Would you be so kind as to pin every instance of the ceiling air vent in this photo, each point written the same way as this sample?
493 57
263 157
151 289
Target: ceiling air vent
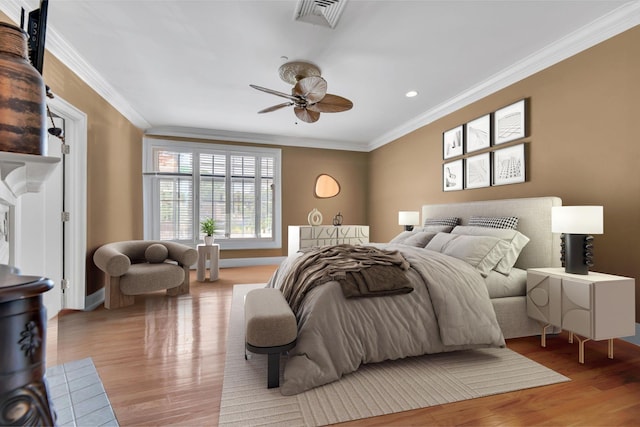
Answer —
319 12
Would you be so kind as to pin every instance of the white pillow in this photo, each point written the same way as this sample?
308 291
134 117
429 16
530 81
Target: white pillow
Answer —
516 240
481 252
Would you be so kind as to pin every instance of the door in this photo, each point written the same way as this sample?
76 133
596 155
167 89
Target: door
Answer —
41 242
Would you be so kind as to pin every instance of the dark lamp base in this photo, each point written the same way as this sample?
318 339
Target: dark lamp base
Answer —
408 228
577 253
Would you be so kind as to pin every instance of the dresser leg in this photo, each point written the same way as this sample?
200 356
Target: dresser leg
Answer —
581 342
610 352
543 335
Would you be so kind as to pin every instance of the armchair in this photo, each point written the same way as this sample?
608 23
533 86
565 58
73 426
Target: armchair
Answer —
136 267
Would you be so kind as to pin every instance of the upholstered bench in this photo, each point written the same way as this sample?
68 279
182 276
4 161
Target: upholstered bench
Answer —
270 327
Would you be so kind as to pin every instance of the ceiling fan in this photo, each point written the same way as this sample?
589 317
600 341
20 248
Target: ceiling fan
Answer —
309 95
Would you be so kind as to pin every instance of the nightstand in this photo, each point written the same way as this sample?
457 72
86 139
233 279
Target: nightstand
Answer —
595 306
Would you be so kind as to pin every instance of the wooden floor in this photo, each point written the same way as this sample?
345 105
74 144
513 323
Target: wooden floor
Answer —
162 361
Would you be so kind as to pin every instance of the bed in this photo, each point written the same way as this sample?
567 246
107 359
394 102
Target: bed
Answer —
454 303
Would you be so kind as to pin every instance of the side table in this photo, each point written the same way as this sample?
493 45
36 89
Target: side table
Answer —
594 306
211 253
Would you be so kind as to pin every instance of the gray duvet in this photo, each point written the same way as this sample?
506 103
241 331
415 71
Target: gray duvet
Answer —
449 309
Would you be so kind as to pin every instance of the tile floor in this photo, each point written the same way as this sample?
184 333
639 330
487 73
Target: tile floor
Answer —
78 395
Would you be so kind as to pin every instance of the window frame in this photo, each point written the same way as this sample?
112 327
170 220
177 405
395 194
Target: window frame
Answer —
151 216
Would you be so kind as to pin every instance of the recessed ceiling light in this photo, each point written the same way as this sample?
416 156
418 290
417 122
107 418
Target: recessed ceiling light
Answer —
411 93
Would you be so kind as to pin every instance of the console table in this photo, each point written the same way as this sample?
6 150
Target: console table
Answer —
24 396
308 236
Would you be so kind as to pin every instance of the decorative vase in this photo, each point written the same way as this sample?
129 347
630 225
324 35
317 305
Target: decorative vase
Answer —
337 220
23 115
208 240
314 217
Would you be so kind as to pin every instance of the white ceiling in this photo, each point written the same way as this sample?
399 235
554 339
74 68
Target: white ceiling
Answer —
185 66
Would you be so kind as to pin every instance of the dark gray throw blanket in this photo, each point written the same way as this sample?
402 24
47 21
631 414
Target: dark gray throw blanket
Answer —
362 271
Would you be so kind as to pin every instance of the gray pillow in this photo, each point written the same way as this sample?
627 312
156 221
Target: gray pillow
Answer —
516 240
156 253
400 238
481 252
419 239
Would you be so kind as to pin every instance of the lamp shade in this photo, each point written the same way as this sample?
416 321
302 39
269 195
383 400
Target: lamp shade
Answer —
577 219
408 218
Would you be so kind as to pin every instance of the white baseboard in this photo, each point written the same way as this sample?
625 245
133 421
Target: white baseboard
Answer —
93 301
247 262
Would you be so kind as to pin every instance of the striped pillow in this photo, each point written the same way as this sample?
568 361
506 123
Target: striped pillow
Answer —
449 221
494 222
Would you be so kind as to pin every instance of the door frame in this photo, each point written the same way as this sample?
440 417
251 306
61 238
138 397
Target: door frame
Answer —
75 193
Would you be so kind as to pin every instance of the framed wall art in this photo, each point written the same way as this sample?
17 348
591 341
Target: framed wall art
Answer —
452 176
477 171
509 123
452 143
478 133
509 165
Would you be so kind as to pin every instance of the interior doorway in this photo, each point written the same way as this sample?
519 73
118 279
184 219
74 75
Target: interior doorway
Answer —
50 226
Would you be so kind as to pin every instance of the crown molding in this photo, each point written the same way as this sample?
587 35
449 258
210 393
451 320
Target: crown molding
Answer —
621 19
255 138
62 50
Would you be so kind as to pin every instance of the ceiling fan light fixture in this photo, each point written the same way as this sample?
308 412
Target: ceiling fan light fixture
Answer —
308 96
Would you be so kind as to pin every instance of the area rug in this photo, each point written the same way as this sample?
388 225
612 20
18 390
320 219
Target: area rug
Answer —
375 389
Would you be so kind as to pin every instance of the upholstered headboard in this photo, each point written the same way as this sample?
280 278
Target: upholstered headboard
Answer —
534 221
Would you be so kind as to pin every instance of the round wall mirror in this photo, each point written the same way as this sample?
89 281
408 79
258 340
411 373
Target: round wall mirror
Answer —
326 186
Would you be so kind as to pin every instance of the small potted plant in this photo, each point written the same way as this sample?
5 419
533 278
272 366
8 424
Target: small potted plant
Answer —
207 226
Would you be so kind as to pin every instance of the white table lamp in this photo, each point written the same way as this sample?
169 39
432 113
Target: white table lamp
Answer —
408 219
576 223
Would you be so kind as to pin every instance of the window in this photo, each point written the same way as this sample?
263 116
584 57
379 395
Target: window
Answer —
239 187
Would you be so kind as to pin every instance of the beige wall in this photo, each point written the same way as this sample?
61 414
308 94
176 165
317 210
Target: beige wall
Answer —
300 167
114 157
583 147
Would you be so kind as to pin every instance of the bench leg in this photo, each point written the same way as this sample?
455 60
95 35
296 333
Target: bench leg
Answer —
273 370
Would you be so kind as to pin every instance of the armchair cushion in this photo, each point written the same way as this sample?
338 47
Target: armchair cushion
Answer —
156 253
143 278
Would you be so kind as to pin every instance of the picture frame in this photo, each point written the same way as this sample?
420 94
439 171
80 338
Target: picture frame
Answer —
509 123
509 165
452 142
452 176
477 134
477 171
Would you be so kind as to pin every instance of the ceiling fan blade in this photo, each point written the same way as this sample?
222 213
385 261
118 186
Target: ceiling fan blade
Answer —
275 92
306 115
312 88
275 107
331 104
